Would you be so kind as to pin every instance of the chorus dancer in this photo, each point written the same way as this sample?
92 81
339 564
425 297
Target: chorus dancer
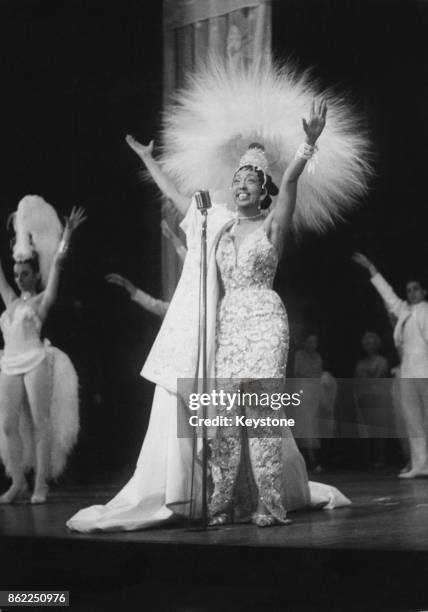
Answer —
411 340
399 424
308 363
247 329
39 418
143 299
372 397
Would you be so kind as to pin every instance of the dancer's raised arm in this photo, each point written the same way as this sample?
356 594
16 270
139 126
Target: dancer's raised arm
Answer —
146 301
365 262
392 301
48 297
6 292
169 190
279 220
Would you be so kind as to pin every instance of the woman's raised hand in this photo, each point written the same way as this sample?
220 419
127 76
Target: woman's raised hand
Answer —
76 218
316 122
365 262
165 184
117 279
143 151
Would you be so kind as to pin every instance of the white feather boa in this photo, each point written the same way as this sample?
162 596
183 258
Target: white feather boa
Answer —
224 109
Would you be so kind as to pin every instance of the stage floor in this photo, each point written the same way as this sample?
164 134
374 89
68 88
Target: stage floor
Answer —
371 555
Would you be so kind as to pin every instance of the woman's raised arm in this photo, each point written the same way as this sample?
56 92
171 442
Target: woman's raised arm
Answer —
169 190
394 304
365 262
6 292
279 220
77 216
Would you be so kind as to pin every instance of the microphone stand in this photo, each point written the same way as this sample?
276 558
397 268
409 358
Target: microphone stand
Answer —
203 320
203 203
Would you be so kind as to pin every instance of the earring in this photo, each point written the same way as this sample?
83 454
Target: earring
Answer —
262 197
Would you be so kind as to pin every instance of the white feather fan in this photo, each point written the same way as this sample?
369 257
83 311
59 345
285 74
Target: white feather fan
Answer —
64 418
224 109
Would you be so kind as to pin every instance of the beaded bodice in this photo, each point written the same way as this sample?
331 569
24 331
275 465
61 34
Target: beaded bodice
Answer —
252 266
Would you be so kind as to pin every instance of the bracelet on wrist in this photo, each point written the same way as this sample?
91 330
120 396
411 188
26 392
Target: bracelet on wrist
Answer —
305 151
63 247
309 153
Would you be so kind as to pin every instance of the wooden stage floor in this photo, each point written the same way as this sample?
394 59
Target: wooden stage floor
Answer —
372 555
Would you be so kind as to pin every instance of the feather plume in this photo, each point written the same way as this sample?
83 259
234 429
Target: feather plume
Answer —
64 418
225 108
38 231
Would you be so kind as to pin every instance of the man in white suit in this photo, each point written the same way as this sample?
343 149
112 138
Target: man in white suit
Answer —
411 340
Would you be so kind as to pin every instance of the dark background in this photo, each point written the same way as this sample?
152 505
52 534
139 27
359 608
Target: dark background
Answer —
77 76
376 51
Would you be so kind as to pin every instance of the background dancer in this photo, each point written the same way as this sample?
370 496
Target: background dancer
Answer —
372 397
411 340
38 385
308 364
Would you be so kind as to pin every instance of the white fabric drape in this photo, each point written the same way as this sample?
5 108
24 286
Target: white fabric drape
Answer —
194 29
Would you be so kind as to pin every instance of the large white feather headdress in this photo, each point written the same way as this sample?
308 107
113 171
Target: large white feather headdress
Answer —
38 232
224 108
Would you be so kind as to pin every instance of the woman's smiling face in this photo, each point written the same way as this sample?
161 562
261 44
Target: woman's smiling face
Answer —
246 188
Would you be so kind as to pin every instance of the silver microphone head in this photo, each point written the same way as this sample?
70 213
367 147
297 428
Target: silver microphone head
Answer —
203 200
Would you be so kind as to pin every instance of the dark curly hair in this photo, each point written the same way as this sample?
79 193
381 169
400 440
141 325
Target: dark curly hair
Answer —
417 278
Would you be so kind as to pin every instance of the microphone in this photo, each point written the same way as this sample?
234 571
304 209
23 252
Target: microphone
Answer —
203 201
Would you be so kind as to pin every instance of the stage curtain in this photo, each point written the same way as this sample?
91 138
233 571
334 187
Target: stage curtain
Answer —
237 29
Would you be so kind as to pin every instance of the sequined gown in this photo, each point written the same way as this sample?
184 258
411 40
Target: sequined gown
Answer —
252 343
159 489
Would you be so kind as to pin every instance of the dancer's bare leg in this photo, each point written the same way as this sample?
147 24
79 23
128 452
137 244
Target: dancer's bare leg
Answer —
414 397
406 453
11 400
38 387
399 423
418 448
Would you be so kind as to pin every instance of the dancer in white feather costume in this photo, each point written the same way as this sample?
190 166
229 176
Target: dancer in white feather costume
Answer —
39 417
216 118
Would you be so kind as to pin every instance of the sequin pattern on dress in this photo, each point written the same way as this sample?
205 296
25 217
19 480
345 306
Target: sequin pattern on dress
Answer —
252 343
